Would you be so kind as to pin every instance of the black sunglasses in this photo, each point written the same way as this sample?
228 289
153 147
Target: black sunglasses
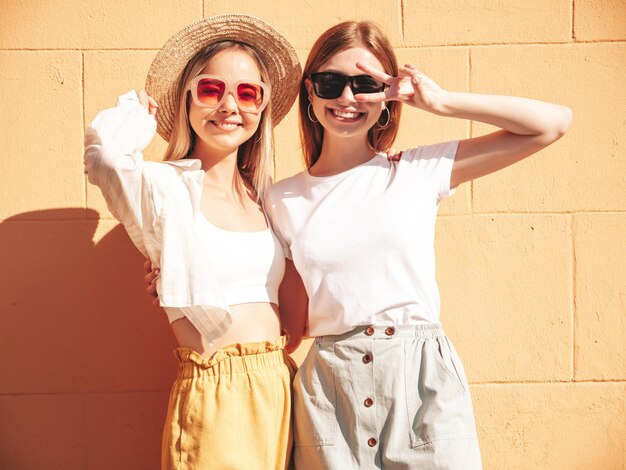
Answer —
330 85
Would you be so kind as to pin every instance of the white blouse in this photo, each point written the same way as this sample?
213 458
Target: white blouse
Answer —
159 205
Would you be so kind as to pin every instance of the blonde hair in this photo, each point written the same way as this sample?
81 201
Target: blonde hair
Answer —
255 156
344 36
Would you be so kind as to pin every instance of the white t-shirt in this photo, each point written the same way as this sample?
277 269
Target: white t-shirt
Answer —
363 240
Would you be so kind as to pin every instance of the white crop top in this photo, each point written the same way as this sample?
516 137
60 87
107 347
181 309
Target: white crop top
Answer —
249 265
159 205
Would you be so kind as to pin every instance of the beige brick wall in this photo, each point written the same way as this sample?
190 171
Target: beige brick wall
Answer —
530 260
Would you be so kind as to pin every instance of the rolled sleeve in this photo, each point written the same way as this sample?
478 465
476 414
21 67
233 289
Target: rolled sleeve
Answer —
114 162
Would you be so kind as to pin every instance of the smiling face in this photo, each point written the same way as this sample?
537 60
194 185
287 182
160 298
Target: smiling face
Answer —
349 40
223 129
343 116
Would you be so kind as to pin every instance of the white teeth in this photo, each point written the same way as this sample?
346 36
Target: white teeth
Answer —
345 115
226 125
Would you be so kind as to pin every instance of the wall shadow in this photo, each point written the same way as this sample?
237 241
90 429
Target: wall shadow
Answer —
85 359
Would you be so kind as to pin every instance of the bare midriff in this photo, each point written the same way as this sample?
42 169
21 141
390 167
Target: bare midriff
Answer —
252 323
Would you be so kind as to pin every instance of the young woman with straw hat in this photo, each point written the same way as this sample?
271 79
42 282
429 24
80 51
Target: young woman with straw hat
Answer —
214 92
382 386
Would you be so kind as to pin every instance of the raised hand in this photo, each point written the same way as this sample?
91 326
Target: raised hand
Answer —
148 102
410 86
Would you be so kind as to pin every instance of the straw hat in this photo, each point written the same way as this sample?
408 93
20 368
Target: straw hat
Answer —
277 54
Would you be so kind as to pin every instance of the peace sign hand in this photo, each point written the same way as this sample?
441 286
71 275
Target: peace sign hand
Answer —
410 86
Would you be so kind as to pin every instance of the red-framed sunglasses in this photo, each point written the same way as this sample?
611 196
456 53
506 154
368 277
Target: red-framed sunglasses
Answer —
210 91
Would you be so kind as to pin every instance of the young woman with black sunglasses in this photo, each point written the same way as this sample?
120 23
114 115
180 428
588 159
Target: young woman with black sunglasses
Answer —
382 386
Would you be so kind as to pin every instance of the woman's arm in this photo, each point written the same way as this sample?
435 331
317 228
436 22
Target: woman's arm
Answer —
113 158
527 125
293 306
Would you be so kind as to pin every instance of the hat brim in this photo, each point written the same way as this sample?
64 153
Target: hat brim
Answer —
276 52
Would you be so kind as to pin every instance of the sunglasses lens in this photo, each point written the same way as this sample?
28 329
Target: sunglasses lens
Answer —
250 96
210 91
328 86
366 84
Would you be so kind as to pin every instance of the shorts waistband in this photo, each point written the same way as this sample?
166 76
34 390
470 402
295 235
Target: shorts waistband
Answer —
387 332
232 359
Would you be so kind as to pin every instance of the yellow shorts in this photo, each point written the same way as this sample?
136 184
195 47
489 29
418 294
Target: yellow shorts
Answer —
232 411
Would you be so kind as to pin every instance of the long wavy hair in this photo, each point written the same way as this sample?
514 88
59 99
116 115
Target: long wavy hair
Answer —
344 36
255 156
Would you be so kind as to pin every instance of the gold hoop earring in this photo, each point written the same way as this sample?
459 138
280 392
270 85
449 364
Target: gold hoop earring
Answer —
308 112
384 126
